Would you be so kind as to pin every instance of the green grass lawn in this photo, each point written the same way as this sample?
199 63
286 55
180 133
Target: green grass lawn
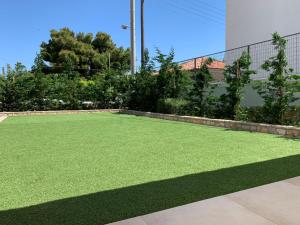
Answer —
92 169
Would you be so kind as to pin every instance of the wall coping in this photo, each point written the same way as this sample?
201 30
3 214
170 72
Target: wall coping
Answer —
57 112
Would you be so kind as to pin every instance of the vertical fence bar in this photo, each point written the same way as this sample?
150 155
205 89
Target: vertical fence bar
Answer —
248 52
297 46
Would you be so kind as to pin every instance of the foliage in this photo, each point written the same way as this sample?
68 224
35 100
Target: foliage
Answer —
115 87
236 77
16 88
173 106
87 54
144 92
38 91
2 85
149 87
172 82
277 92
202 102
66 76
290 117
21 90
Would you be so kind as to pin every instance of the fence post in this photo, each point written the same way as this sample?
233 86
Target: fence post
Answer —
249 56
238 75
297 57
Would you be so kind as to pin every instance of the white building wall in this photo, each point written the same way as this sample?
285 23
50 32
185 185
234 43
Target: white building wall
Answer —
251 21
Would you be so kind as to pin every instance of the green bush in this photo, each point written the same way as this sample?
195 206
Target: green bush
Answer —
277 92
168 90
22 90
256 114
173 106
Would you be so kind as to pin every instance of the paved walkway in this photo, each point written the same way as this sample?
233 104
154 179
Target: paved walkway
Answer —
2 118
273 204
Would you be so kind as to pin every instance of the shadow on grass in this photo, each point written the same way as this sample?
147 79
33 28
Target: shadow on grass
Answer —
290 138
113 205
256 132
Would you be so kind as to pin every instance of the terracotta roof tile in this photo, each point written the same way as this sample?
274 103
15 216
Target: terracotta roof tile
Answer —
190 65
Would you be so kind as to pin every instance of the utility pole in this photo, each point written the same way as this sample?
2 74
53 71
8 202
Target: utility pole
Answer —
142 34
133 37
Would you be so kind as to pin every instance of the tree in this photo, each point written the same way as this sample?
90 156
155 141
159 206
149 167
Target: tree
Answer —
87 55
201 98
277 92
236 76
103 43
172 82
15 89
38 93
144 92
2 85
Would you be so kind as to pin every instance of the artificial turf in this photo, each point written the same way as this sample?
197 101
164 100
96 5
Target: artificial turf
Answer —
90 169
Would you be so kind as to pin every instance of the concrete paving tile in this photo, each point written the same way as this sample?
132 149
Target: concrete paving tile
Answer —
278 202
295 181
216 211
133 221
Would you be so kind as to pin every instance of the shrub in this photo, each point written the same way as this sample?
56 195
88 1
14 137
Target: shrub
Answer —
236 77
256 114
172 82
143 89
201 97
277 92
172 106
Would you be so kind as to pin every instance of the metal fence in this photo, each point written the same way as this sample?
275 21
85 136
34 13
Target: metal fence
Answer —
259 53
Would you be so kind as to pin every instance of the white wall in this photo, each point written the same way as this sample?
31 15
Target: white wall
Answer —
250 21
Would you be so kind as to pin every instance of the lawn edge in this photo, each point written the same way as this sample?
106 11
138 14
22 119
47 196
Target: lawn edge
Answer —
58 112
287 131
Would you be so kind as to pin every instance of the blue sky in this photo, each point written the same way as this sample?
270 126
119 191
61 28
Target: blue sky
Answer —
192 27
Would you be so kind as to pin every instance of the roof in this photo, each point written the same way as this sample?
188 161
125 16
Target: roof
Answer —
190 65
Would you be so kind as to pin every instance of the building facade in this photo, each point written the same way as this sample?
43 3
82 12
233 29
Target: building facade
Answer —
253 21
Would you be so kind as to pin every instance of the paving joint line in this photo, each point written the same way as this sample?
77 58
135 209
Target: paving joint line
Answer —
253 211
295 185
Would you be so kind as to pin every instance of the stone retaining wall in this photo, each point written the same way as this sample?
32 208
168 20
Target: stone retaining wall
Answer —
288 131
32 113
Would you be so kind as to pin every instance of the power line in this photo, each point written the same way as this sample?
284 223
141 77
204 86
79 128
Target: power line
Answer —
210 6
178 10
200 11
192 11
203 8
